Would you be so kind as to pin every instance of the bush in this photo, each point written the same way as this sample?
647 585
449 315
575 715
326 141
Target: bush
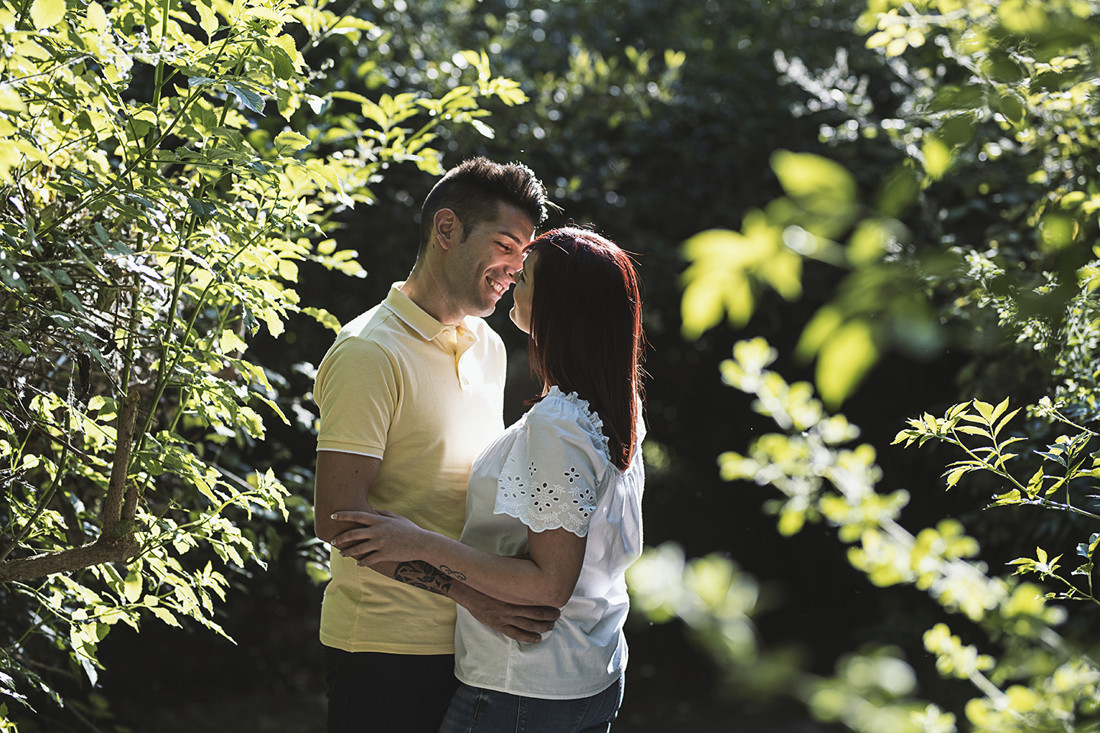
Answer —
165 170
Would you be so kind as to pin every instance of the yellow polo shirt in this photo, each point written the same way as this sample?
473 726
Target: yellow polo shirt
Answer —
425 398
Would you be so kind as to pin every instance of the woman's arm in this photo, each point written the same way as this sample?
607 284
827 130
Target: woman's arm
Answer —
546 578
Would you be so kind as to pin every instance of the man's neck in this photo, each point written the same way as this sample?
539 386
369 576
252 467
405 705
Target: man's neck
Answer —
421 288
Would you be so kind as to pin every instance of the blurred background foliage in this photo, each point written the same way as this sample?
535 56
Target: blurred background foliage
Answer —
898 200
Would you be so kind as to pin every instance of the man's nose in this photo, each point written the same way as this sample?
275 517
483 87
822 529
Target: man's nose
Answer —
515 264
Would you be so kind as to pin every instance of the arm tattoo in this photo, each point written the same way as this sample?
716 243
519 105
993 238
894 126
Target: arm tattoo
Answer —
420 574
456 574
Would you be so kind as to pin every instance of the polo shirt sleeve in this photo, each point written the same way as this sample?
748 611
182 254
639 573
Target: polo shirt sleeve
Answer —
550 474
357 391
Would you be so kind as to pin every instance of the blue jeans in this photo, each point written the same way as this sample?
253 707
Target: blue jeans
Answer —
475 710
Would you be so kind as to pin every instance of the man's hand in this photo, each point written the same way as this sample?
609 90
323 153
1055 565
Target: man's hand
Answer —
522 623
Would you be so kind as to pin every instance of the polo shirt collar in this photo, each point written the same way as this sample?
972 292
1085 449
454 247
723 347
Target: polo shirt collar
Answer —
416 317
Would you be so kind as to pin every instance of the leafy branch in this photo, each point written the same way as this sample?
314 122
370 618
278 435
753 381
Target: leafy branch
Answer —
821 477
153 228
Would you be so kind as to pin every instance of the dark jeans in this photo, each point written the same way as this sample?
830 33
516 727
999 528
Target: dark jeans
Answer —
387 693
475 710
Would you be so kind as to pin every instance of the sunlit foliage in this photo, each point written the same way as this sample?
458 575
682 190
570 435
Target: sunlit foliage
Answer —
980 236
1039 682
164 170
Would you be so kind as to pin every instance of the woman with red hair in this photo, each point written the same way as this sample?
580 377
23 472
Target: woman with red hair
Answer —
554 505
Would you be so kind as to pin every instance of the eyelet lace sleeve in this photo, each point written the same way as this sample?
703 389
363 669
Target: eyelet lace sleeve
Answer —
552 471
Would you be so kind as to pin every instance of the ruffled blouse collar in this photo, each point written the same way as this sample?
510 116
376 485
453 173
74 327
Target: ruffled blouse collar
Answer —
582 404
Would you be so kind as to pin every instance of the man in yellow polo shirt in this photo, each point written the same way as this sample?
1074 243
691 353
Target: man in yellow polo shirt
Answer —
409 394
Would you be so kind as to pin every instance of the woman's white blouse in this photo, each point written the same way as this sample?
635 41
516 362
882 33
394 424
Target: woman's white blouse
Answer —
552 469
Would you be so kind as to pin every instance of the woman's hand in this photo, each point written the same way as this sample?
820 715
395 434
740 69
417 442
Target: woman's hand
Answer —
383 537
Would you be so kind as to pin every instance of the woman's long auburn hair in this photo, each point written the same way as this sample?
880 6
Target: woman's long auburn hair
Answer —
586 329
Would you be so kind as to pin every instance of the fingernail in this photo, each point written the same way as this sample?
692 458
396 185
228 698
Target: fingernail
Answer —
333 516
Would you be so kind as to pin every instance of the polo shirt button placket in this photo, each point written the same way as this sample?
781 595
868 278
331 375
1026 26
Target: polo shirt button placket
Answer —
463 381
463 341
451 336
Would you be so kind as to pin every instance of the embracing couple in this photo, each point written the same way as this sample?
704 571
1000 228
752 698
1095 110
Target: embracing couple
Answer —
429 502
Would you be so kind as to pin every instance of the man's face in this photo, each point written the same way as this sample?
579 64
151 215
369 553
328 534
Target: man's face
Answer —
486 257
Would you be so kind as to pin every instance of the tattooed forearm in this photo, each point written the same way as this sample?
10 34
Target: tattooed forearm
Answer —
420 574
456 574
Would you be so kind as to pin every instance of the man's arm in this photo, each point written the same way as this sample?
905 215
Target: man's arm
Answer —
343 482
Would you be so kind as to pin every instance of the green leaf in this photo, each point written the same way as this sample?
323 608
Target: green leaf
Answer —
1009 498
372 111
1023 17
954 476
289 141
351 96
791 521
61 277
844 359
868 242
259 12
202 209
937 157
1013 108
133 584
700 307
958 129
280 62
1035 483
246 97
208 19
805 175
1004 421
1056 232
288 270
783 272
822 326
825 189
165 615
323 317
97 18
904 436
956 99
230 342
45 14
985 410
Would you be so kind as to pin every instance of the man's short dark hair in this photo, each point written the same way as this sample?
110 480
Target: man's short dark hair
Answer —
475 188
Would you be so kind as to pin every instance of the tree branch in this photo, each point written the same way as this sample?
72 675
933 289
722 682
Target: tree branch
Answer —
116 542
120 549
116 487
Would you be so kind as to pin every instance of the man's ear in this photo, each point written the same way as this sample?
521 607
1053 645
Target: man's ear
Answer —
447 227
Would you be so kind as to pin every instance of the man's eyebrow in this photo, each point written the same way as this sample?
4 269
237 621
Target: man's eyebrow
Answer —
510 235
